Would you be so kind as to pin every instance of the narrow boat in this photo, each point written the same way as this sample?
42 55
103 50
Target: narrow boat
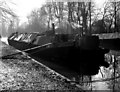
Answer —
22 41
112 44
110 41
81 54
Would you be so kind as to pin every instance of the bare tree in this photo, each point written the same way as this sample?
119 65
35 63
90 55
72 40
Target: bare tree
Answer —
37 20
110 16
78 13
6 15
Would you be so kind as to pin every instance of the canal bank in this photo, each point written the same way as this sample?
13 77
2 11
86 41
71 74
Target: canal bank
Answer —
22 73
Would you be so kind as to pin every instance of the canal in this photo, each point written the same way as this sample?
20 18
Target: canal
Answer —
15 72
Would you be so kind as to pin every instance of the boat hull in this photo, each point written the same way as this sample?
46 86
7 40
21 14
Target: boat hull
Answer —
20 45
112 44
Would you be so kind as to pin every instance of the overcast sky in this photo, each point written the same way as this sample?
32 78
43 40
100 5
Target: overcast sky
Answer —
24 7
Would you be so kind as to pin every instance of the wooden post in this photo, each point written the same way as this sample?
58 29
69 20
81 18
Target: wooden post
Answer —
53 28
114 67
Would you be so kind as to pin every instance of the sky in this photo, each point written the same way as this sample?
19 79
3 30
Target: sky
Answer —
23 7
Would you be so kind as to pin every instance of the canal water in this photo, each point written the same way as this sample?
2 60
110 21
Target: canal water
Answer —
100 85
107 78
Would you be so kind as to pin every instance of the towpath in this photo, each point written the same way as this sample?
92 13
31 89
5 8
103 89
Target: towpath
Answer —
25 74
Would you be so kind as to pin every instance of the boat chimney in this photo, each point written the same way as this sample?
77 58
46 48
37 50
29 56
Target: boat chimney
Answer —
53 28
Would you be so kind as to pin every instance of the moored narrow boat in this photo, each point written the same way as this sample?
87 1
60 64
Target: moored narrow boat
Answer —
22 41
82 54
109 40
112 44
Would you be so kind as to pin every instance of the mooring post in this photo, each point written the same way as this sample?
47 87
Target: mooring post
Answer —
91 83
53 28
114 67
